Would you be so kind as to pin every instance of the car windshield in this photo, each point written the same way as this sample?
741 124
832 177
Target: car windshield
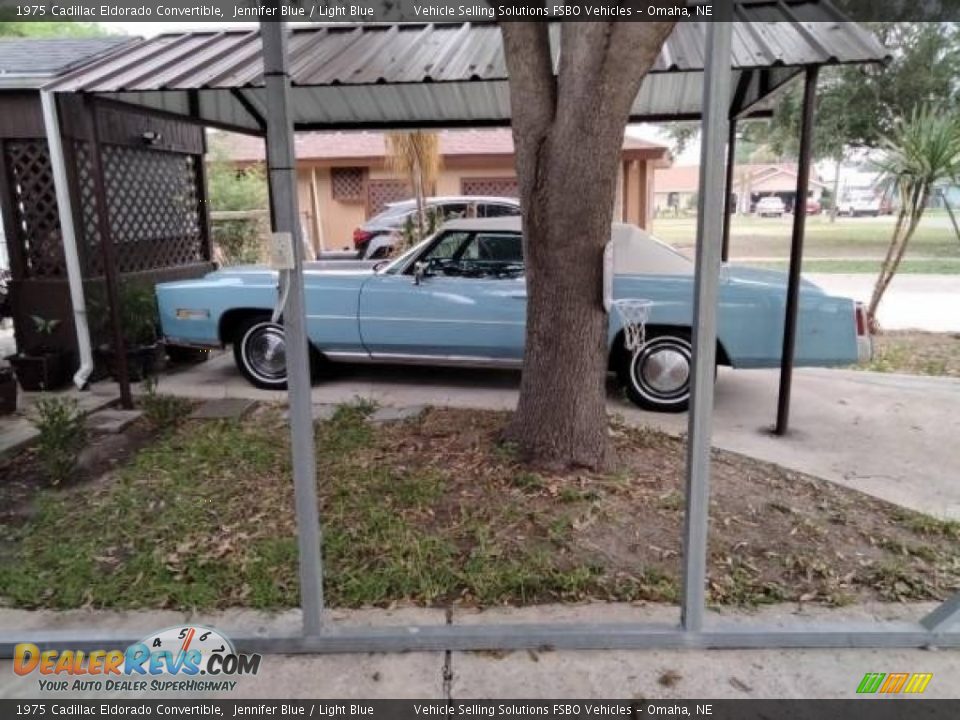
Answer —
391 213
401 261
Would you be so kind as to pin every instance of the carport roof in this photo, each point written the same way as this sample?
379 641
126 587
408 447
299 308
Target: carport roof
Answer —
451 74
32 62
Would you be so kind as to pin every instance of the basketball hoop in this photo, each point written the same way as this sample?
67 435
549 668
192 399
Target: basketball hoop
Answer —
633 314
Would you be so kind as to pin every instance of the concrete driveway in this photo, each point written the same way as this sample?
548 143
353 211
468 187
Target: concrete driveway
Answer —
892 436
912 302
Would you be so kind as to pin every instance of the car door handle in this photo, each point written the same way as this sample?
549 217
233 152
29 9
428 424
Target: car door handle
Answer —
518 296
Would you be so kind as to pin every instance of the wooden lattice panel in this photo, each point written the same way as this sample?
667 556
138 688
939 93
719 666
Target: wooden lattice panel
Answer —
381 192
37 221
154 208
89 232
348 183
493 187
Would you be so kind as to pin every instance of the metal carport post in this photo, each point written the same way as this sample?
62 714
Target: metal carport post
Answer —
716 93
281 169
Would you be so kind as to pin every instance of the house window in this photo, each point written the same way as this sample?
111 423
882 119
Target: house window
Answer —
348 183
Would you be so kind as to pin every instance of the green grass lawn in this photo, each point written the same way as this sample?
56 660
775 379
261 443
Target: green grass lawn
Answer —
916 353
865 238
435 510
937 266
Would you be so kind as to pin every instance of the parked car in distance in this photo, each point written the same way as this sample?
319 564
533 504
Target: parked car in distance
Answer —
770 206
377 237
813 207
860 202
459 298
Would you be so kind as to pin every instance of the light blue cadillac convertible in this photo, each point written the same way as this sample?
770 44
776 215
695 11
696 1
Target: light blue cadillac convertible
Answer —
459 298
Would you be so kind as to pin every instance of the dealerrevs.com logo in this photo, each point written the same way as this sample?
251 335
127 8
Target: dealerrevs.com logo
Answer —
181 659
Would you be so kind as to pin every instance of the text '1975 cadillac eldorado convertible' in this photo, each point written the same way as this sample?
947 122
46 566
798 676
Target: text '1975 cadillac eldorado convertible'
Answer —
459 298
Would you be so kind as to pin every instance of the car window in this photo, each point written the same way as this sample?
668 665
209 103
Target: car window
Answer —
498 247
452 211
448 247
491 210
476 255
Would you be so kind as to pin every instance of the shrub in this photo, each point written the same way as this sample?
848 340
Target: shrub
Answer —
162 411
62 436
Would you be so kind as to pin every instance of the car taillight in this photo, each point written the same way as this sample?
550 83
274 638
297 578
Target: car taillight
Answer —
361 237
861 316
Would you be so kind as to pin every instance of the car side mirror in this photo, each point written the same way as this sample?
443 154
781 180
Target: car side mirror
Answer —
419 271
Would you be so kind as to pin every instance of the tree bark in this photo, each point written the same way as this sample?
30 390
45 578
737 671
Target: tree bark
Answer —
568 132
836 190
953 219
895 252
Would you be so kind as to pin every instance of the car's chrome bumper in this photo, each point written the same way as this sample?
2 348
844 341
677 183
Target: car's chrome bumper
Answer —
864 348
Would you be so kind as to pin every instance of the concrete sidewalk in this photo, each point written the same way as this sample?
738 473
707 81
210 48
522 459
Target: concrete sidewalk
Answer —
613 674
892 436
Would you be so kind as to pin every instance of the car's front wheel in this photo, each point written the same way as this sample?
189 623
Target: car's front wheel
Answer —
657 376
260 351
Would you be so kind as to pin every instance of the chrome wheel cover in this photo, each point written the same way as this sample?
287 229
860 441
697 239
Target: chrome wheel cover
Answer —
264 351
660 370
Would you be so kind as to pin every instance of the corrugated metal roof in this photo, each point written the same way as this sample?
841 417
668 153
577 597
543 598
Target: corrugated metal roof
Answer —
392 75
39 59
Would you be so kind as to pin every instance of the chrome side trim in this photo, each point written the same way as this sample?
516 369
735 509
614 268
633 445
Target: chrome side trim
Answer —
346 356
457 321
473 361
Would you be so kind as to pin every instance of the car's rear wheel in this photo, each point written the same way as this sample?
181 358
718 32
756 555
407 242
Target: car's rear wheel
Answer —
260 351
657 376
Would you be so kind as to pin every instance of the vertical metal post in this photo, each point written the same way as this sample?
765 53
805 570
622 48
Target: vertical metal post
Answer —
728 190
108 251
796 250
716 103
281 168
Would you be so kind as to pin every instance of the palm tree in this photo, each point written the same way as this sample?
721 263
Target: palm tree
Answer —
921 151
416 156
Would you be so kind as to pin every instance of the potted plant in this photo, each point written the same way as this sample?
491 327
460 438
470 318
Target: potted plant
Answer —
8 391
138 323
44 366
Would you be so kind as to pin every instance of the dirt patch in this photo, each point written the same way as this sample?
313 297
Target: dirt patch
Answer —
22 477
916 353
436 510
774 535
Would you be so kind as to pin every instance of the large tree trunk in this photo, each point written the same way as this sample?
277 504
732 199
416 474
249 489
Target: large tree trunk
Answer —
568 132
